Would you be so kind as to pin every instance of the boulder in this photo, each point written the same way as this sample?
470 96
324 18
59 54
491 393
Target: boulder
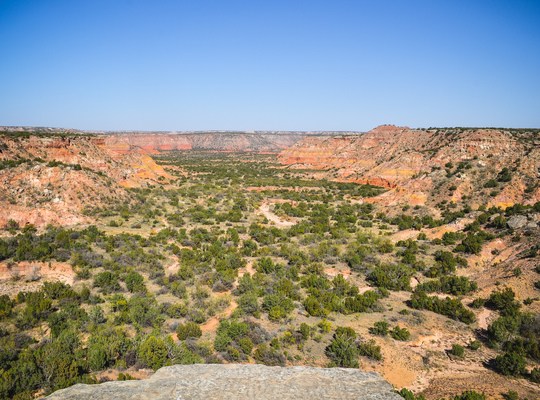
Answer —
517 221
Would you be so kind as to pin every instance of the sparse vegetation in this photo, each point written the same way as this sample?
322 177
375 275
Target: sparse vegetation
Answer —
248 262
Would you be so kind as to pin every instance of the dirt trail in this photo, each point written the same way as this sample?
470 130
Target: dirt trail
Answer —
264 209
484 318
212 324
247 270
333 272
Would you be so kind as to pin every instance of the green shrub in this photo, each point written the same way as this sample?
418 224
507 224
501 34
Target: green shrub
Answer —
470 395
474 345
314 307
452 308
305 330
456 285
511 364
135 282
152 352
503 301
370 349
492 183
504 175
345 331
401 334
391 276
267 355
249 303
408 395
343 351
457 350
379 328
534 376
107 281
6 305
188 330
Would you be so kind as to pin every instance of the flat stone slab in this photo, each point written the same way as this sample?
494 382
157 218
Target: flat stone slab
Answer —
239 382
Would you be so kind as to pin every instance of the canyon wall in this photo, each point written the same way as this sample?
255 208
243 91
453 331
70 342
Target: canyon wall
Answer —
427 166
52 179
152 143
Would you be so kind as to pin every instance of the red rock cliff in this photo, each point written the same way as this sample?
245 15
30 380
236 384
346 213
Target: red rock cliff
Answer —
51 179
420 165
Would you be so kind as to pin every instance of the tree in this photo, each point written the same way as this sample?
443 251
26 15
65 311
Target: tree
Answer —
135 282
96 356
343 350
153 352
512 364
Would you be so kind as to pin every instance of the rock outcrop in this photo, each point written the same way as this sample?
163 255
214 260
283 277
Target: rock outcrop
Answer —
52 178
233 381
425 166
152 143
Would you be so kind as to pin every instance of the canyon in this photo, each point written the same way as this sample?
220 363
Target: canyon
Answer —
418 167
125 253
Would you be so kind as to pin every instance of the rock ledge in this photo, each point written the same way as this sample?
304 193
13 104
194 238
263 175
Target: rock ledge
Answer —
235 381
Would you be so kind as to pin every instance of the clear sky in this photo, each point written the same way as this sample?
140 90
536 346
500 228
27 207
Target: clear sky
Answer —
269 65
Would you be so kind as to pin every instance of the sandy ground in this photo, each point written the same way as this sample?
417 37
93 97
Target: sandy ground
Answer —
30 275
432 233
112 374
265 210
247 270
212 324
335 271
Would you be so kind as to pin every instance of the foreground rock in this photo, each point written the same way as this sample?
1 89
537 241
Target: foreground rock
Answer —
231 381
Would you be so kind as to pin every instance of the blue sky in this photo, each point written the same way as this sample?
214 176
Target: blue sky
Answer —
276 65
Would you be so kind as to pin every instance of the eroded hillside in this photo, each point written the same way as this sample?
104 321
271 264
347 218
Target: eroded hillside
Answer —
53 178
425 167
153 143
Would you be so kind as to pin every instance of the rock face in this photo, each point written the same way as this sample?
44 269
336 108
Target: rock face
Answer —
517 221
232 381
151 143
423 166
52 178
